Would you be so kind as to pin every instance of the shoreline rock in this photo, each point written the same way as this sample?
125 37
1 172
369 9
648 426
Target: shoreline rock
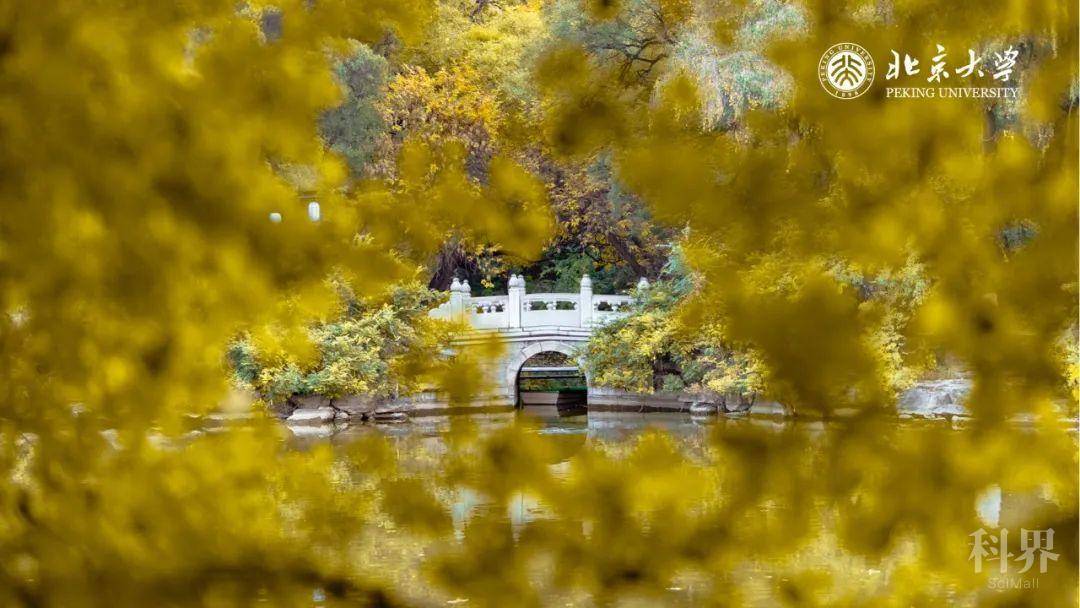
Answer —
935 399
929 399
312 416
704 408
389 417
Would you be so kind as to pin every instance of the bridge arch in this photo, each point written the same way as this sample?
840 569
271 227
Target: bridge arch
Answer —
518 359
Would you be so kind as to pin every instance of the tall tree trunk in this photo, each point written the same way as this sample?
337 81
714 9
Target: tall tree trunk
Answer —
623 250
451 261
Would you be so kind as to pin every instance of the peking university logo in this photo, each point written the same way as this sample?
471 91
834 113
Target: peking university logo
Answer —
846 70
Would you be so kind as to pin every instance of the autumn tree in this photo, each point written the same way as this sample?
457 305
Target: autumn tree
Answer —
637 36
602 229
355 128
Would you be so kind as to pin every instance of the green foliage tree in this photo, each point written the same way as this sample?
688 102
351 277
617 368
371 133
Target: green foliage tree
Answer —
354 128
635 36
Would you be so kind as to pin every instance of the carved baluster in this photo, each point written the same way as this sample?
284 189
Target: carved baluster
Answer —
515 296
586 305
457 299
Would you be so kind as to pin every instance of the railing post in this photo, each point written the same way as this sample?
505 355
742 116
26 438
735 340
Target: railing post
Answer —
466 300
585 301
457 300
515 292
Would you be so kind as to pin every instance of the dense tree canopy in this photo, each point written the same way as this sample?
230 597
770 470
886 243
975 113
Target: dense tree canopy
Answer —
354 129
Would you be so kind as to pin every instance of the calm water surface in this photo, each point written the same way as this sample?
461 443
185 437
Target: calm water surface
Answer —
421 441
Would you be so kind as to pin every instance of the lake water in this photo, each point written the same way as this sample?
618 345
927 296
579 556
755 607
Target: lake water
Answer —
422 445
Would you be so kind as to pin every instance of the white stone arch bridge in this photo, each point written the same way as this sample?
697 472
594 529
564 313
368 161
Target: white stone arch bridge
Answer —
527 324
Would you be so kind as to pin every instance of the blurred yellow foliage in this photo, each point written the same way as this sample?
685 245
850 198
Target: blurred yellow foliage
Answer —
142 156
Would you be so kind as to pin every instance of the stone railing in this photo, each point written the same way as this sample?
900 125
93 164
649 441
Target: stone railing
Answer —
517 309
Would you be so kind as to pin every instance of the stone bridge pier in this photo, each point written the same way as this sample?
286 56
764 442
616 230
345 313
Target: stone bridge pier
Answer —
501 372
